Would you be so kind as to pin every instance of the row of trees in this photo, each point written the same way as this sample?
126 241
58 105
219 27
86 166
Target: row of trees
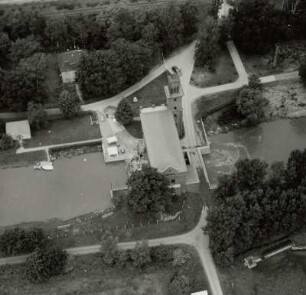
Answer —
167 28
256 204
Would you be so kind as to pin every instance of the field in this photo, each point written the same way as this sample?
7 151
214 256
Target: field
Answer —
284 274
89 275
9 159
225 72
64 131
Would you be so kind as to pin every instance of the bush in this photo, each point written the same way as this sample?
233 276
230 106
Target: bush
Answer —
109 248
124 113
162 253
179 284
69 104
6 142
302 71
140 255
18 241
180 257
46 263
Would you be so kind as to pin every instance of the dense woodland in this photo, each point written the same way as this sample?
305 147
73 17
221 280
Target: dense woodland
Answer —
122 45
257 204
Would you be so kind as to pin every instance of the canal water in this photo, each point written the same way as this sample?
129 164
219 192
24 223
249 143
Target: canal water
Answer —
270 141
76 186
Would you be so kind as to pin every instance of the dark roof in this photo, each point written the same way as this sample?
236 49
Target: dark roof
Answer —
69 60
162 141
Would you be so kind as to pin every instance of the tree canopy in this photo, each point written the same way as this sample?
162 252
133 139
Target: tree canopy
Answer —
37 115
124 113
256 204
258 25
69 104
149 191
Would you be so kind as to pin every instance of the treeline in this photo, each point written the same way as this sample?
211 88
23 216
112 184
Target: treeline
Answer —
127 43
256 25
257 204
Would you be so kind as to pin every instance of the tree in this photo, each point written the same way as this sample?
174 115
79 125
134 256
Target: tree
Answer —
254 82
149 191
109 248
99 73
302 71
258 25
140 255
23 48
56 33
19 88
207 47
37 115
69 104
124 113
34 66
5 45
250 174
250 104
189 13
6 142
46 263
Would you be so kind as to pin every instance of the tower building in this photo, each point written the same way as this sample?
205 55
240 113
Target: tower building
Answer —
174 94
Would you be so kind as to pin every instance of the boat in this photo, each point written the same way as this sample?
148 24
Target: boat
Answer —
44 165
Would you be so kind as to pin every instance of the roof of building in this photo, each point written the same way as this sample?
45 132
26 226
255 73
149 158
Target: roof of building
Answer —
69 60
162 141
18 128
200 293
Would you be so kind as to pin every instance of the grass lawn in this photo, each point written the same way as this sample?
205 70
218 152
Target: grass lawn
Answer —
284 274
225 72
53 83
9 159
134 129
152 93
65 131
89 275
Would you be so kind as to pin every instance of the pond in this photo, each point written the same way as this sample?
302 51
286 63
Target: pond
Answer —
76 186
270 141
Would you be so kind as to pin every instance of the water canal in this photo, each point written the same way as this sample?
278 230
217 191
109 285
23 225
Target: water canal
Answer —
270 141
76 186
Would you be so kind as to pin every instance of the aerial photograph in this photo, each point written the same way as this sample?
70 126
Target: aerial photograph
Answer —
153 147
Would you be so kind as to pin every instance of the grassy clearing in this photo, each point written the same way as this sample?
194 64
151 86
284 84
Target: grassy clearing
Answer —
53 83
127 226
284 274
65 131
225 72
134 129
9 159
152 93
89 275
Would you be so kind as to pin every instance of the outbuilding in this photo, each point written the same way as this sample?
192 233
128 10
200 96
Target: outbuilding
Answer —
18 129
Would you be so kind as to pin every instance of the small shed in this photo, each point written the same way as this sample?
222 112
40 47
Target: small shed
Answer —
18 129
112 151
112 140
68 63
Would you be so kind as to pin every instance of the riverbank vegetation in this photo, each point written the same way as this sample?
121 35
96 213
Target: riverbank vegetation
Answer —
168 270
256 205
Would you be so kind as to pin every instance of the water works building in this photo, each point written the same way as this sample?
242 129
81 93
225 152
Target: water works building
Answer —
163 148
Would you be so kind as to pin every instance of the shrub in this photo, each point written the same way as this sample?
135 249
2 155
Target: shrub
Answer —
37 116
18 241
302 71
6 142
180 257
46 263
161 253
140 255
109 248
179 284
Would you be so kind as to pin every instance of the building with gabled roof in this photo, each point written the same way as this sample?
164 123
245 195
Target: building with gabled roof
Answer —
163 146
